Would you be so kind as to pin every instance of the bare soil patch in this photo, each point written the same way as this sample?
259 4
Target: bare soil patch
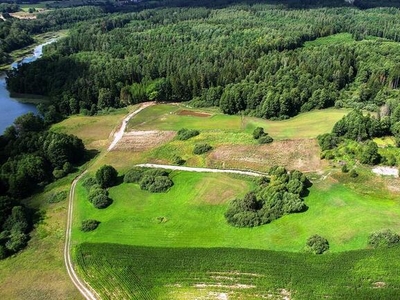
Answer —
386 171
185 112
301 155
138 141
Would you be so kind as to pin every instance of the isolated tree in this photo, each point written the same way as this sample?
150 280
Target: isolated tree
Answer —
106 176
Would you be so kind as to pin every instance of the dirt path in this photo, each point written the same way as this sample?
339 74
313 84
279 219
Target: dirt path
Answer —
120 133
80 285
83 287
202 170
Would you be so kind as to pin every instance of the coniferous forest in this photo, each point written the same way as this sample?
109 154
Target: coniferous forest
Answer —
251 58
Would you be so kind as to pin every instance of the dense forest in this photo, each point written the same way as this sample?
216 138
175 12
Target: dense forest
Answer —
252 59
30 157
16 34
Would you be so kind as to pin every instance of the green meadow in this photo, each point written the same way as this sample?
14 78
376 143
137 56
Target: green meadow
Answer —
191 214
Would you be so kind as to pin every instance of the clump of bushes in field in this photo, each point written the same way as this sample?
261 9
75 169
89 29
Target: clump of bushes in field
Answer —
178 160
89 225
276 196
317 244
99 197
261 136
57 197
385 238
201 148
106 177
185 134
152 180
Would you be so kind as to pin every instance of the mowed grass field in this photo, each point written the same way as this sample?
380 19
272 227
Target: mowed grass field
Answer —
131 272
193 215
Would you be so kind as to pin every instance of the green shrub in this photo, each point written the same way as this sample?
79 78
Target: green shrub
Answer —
88 183
265 139
258 132
353 173
89 225
345 169
106 176
95 191
185 134
384 238
160 184
101 201
133 175
58 197
317 244
177 160
201 148
155 184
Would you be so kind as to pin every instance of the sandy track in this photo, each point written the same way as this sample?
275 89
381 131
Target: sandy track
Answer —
201 170
120 133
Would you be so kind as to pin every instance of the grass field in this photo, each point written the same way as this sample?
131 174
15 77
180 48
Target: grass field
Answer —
330 40
338 210
168 117
95 131
122 272
38 271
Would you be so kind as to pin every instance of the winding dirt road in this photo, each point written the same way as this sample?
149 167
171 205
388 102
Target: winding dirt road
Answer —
83 287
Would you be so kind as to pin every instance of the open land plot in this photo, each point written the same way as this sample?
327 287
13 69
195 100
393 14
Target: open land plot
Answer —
175 117
95 131
339 209
226 273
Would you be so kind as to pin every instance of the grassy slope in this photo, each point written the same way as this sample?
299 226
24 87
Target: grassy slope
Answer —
193 273
38 272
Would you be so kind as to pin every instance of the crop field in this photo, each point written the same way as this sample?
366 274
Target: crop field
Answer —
120 271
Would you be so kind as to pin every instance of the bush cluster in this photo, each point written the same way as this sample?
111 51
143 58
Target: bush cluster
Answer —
152 180
317 244
279 195
89 225
185 134
261 136
384 238
97 195
201 148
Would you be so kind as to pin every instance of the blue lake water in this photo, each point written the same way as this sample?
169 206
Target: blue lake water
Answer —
10 108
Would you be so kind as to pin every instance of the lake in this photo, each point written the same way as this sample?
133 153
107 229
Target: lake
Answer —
10 108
